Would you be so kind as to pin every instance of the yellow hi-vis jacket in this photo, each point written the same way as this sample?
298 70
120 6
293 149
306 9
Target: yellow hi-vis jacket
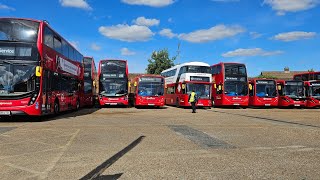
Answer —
192 97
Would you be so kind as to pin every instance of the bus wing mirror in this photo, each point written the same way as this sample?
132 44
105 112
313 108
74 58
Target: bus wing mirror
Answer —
38 71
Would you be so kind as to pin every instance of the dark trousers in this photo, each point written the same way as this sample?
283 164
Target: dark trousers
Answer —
193 105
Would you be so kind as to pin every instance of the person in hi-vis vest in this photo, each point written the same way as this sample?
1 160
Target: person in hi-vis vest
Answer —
193 100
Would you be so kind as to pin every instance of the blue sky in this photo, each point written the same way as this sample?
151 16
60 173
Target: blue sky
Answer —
264 34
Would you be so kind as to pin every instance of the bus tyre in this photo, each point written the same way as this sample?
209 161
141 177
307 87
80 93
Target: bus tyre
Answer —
56 107
177 102
78 105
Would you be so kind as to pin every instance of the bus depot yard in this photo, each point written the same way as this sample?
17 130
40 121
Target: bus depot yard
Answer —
163 143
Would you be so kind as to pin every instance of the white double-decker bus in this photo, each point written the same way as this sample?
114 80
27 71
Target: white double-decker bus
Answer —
181 79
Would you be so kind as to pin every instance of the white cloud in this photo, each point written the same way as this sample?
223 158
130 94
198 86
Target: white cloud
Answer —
167 33
212 34
283 6
294 36
5 7
152 3
142 21
250 52
124 32
255 35
95 47
127 52
170 20
82 4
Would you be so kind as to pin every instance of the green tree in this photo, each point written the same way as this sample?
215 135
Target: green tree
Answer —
159 61
311 70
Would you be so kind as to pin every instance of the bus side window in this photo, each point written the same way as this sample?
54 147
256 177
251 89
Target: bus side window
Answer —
48 37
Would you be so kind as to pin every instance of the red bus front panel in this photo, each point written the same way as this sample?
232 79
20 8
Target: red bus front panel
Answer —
19 107
113 101
224 100
149 101
263 101
286 101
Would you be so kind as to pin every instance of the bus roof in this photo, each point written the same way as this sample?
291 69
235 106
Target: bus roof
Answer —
227 63
103 60
193 63
27 19
262 79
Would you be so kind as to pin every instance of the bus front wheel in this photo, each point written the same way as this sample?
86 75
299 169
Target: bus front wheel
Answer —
56 107
78 105
177 102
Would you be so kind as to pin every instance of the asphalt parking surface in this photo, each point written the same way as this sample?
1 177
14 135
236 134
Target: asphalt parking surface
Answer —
168 143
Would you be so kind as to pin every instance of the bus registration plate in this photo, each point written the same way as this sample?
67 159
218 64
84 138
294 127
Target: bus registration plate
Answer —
297 105
236 104
112 104
267 104
4 112
150 104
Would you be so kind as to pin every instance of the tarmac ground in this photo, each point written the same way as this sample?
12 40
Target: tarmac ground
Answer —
165 143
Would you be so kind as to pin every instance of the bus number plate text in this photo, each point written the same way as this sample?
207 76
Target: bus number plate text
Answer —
4 112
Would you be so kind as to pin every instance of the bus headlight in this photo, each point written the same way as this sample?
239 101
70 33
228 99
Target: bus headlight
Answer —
33 99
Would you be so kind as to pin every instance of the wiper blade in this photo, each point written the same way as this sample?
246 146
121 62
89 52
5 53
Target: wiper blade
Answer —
7 62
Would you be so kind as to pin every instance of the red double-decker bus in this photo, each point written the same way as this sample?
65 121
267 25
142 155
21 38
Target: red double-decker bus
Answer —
184 78
230 84
313 93
147 90
291 93
90 86
308 76
263 93
40 72
113 82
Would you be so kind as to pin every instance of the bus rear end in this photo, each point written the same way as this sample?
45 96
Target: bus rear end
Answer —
149 91
20 73
313 94
89 81
263 93
113 82
291 93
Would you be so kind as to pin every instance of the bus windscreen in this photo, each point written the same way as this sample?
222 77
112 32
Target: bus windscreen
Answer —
18 30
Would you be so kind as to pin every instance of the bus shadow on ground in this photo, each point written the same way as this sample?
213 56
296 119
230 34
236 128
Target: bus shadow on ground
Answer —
68 114
62 115
150 107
